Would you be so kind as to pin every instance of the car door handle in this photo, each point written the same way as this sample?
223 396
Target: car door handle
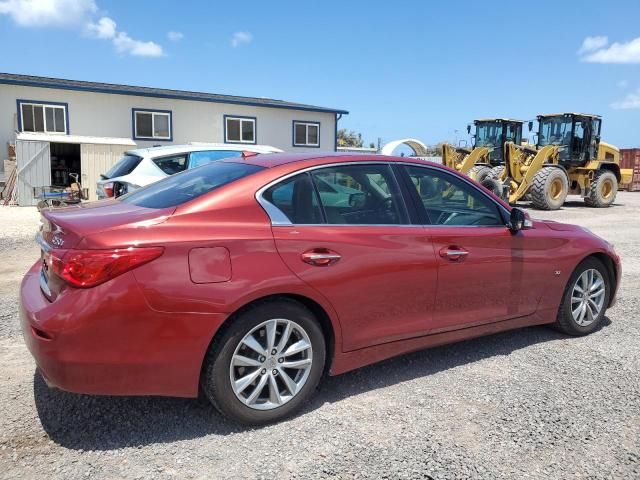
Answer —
320 257
453 253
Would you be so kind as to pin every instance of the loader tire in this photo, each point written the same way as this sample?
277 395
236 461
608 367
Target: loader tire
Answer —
479 173
604 188
549 189
493 185
496 172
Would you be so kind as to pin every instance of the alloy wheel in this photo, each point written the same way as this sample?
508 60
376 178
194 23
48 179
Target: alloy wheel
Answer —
271 364
587 297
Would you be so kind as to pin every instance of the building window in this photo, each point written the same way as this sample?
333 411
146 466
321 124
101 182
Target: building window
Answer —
306 134
43 117
152 125
239 129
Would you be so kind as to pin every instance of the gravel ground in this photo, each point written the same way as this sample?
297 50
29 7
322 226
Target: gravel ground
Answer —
524 404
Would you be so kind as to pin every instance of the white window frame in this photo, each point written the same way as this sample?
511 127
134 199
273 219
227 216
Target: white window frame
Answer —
153 114
44 116
307 124
241 120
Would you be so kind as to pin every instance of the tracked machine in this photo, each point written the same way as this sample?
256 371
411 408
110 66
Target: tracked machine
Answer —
487 153
568 158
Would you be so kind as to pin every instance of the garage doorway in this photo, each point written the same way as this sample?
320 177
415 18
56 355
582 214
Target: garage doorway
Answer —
65 161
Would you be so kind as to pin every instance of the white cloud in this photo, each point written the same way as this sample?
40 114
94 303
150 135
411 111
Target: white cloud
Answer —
175 36
42 13
628 52
631 101
79 14
241 38
106 29
590 44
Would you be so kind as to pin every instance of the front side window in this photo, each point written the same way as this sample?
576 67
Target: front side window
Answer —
42 117
306 134
359 195
240 129
172 164
296 198
197 159
151 125
449 201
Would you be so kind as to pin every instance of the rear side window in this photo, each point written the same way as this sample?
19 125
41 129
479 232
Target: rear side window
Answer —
197 159
173 164
297 199
190 184
124 166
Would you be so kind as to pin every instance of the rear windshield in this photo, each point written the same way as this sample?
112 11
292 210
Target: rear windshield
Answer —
188 185
124 166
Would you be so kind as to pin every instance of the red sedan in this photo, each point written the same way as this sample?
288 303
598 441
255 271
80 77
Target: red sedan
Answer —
251 279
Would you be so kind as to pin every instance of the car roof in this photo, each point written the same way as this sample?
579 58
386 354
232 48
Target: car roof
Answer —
277 159
153 152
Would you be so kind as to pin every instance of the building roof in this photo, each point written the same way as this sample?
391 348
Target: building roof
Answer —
59 138
80 85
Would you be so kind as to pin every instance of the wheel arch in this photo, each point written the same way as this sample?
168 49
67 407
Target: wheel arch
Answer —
612 167
330 330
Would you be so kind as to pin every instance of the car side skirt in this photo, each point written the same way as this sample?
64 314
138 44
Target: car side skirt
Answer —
346 361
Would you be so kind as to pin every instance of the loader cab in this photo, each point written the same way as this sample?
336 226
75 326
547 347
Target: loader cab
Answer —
577 135
494 133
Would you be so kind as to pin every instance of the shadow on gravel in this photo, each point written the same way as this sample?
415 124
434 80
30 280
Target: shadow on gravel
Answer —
105 423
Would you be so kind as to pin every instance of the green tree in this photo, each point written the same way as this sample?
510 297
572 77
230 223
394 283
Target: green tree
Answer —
349 138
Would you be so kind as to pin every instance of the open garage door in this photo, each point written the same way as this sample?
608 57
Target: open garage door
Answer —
33 168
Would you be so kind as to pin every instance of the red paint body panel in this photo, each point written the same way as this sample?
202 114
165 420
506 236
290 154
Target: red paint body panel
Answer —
146 331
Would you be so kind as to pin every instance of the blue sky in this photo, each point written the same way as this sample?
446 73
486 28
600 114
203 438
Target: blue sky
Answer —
403 69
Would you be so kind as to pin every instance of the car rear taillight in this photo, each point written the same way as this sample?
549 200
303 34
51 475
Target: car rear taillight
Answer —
88 268
108 189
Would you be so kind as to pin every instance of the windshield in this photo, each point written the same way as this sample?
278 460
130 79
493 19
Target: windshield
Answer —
189 184
124 166
554 131
489 134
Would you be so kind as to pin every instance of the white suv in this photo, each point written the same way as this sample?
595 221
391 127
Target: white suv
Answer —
144 166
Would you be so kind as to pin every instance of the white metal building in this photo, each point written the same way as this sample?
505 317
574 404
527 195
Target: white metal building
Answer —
62 125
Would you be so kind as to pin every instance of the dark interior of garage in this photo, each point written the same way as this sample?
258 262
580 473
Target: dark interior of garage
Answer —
65 160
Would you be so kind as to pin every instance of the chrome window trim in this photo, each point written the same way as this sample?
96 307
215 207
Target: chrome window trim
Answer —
279 219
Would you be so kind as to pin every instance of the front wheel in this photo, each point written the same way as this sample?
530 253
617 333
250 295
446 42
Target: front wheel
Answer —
267 364
585 298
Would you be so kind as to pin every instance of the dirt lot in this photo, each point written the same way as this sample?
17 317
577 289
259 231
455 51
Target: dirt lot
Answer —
524 404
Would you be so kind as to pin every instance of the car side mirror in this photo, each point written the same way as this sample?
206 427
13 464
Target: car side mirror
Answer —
519 220
357 200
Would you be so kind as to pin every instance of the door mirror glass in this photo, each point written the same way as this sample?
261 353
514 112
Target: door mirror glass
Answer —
518 220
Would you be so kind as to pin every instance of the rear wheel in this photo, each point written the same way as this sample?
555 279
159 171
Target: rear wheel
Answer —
549 189
604 189
479 173
585 298
267 364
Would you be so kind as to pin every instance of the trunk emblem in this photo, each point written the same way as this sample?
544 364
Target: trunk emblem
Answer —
57 241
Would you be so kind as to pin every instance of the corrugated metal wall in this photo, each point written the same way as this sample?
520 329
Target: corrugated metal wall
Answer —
97 159
33 163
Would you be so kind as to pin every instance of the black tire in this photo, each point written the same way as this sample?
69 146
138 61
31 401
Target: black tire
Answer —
479 173
549 189
603 191
216 381
496 172
565 321
493 185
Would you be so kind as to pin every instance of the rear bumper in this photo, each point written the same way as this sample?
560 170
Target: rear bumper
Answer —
106 340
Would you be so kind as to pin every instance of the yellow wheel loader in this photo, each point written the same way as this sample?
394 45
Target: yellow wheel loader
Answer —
487 154
568 158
